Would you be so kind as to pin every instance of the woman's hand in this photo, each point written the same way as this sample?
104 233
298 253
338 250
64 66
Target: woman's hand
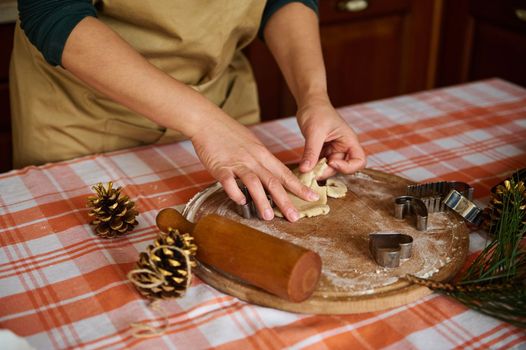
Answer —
328 135
292 36
229 150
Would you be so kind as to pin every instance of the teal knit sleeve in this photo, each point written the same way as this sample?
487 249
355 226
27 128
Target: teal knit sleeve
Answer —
273 5
48 23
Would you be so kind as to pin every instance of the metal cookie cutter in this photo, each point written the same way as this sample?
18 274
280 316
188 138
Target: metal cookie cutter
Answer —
388 249
464 207
249 210
433 193
410 204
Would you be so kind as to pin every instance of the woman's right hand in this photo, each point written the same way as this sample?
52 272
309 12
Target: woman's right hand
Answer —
229 150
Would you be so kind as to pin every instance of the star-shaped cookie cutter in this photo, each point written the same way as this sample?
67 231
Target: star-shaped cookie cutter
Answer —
433 193
388 249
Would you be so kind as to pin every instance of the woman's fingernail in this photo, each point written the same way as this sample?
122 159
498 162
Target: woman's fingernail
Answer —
313 196
293 215
268 214
306 164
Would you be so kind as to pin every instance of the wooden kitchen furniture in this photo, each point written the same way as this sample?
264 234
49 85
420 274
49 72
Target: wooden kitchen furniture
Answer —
6 45
483 39
373 49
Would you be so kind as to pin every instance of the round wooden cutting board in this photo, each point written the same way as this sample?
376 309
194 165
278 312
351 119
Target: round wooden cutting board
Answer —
351 281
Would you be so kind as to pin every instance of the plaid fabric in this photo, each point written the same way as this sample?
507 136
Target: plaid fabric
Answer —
62 287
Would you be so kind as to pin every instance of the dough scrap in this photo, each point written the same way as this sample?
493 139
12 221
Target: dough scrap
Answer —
334 188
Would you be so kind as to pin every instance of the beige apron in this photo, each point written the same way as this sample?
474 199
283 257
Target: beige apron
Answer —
198 42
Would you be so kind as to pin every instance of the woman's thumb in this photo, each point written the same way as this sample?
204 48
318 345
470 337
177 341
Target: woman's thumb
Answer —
311 152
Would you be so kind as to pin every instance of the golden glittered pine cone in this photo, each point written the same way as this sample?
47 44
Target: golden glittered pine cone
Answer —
114 213
164 269
500 195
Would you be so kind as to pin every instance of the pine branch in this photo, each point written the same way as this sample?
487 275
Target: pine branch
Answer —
495 282
501 257
505 301
508 305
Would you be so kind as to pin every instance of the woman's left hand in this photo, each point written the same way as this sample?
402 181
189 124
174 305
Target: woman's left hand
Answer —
328 135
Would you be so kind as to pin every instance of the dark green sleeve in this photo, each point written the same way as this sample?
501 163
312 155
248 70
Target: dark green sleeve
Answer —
48 23
273 5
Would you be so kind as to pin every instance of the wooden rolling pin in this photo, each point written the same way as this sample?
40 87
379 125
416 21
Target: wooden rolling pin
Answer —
277 266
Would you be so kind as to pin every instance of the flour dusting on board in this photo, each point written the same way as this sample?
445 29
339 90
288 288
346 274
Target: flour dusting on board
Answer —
341 237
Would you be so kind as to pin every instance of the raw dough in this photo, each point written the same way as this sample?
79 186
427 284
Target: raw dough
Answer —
334 188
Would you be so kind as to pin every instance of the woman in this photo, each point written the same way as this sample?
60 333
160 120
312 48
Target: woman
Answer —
93 78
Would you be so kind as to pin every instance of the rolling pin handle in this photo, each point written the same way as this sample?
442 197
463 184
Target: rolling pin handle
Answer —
171 218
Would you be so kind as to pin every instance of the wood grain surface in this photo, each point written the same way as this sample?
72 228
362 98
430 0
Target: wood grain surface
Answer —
351 281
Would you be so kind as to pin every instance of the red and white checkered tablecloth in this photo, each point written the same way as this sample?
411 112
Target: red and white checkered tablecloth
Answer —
62 287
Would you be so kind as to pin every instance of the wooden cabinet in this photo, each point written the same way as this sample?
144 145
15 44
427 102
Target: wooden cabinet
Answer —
381 49
6 45
483 39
